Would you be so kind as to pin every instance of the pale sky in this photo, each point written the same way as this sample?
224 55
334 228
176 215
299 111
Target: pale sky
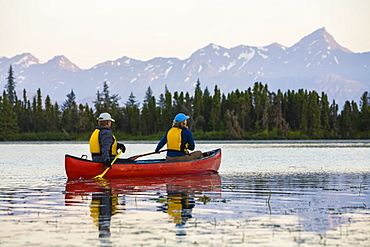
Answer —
89 32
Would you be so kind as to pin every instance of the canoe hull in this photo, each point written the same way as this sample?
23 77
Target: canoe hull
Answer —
82 168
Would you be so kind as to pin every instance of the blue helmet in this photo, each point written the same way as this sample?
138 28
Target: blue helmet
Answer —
180 117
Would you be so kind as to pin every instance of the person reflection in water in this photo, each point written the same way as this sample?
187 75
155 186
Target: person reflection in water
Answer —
103 207
179 206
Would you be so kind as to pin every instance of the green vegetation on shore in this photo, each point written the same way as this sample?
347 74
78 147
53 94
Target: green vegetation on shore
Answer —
253 114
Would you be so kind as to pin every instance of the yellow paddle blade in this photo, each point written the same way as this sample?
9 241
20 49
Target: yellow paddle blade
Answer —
101 175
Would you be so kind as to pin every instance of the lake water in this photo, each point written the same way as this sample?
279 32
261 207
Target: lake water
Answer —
303 193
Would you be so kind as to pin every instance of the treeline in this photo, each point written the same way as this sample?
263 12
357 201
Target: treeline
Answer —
255 113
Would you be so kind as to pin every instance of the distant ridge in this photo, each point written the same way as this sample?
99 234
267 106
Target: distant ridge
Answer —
317 62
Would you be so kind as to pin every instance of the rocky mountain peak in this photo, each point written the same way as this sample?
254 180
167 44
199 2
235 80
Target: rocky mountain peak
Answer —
63 62
320 40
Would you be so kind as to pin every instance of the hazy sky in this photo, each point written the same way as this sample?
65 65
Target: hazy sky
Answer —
89 32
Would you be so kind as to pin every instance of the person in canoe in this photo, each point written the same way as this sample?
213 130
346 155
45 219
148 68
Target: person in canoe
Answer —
103 144
179 140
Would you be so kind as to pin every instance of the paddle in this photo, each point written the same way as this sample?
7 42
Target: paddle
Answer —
101 175
141 155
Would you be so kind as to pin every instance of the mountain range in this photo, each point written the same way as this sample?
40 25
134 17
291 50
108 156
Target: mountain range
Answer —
317 62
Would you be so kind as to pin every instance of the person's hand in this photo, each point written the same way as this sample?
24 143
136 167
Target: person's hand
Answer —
107 164
122 147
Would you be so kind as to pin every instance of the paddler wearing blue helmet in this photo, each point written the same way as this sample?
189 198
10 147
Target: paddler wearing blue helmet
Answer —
179 141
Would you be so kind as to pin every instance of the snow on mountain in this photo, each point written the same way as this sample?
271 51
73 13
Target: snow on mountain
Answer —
18 62
63 63
316 62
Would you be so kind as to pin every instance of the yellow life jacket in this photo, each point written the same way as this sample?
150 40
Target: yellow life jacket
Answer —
175 209
96 205
95 146
174 140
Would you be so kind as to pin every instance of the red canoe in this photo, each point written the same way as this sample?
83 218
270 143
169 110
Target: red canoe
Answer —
123 168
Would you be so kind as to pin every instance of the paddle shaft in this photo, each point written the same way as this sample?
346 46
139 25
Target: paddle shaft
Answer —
141 155
106 170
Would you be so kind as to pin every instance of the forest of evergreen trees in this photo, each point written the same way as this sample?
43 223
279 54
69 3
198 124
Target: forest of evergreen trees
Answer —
255 113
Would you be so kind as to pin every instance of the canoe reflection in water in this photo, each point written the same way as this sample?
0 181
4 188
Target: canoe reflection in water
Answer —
108 196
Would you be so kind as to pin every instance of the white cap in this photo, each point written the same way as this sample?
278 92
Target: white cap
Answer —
105 116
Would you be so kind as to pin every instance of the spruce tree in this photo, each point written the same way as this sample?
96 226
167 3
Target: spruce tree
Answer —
355 116
70 102
8 119
110 102
325 114
314 115
149 113
50 123
178 102
261 105
85 123
216 111
132 116
10 87
345 123
145 122
364 120
198 107
70 114
265 116
188 102
279 121
246 110
131 100
98 104
207 104
168 112
39 114
333 119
